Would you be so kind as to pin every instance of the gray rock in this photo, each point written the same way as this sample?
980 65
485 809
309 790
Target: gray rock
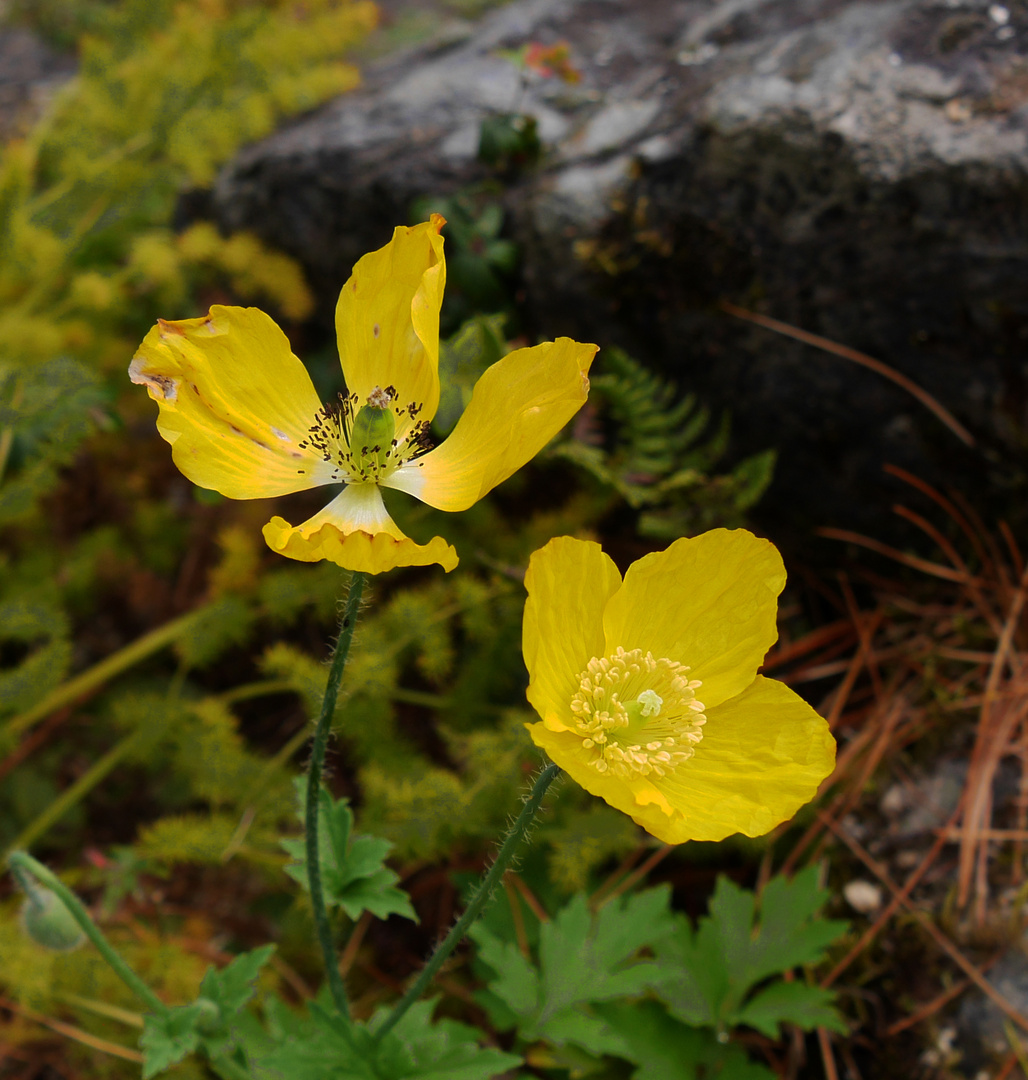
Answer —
30 73
981 1025
855 168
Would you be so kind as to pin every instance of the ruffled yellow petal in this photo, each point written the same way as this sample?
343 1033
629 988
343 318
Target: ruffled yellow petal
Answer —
762 756
387 319
569 582
356 532
235 403
517 406
709 602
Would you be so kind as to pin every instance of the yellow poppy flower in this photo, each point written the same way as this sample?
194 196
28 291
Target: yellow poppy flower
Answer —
648 687
243 418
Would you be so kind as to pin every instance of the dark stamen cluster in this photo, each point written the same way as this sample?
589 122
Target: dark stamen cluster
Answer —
418 441
332 429
332 425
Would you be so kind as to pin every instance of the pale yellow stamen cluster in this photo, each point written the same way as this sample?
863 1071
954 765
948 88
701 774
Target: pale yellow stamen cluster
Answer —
637 716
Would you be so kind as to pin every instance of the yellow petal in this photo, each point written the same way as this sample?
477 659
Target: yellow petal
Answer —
762 756
387 319
356 532
709 602
517 406
235 403
569 582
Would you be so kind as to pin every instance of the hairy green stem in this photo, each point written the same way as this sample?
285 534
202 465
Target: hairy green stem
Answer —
328 708
478 901
22 863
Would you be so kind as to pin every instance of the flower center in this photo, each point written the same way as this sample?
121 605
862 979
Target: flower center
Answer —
361 441
637 716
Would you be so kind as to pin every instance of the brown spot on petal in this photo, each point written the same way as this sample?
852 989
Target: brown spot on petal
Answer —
161 387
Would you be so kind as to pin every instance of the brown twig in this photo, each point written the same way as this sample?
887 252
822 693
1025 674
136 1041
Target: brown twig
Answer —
637 875
824 1042
940 939
72 1032
915 563
929 1009
863 359
990 744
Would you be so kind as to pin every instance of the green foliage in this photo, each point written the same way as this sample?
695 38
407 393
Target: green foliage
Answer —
353 875
226 622
509 142
662 1046
166 92
35 627
186 838
479 261
635 981
45 414
583 959
206 1023
463 357
651 457
717 973
327 1047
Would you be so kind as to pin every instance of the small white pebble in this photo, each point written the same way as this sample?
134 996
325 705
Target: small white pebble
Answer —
693 55
894 801
1005 33
895 60
863 896
957 111
999 14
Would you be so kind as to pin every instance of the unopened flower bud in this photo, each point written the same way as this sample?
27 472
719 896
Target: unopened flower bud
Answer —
48 922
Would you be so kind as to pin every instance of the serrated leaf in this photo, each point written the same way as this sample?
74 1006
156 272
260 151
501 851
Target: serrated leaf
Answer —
353 876
327 1049
580 1028
790 934
168 1038
331 1048
796 1003
517 982
233 986
417 1049
583 959
698 978
711 972
663 1047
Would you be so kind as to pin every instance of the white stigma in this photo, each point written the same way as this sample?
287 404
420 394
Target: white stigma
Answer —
651 702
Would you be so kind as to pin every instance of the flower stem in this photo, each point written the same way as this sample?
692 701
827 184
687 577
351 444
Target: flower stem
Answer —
328 708
23 866
485 891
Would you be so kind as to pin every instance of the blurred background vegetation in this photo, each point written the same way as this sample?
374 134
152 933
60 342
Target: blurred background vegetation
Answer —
158 665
